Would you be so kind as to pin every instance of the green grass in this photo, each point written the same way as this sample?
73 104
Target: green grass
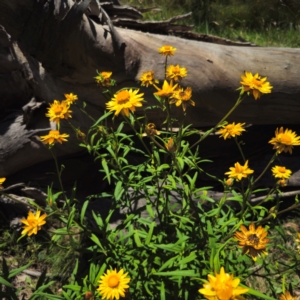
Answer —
255 21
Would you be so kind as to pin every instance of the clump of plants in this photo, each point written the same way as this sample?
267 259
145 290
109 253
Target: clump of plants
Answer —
186 247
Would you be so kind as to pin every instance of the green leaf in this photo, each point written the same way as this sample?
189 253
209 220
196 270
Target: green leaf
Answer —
95 239
118 190
48 296
150 210
257 294
15 272
150 233
181 163
71 218
106 170
102 118
73 287
162 291
189 258
137 239
6 283
83 210
98 219
189 273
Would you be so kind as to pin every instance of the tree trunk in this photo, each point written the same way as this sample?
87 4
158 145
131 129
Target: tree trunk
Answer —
48 48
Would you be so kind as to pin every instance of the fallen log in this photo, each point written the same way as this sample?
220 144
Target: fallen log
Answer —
48 49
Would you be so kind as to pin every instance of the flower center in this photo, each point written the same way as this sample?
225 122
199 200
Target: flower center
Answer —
176 70
223 290
285 139
184 96
113 281
257 81
58 109
281 169
123 97
253 239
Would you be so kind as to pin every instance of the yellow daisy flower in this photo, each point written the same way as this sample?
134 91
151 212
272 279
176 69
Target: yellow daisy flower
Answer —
253 241
125 101
104 79
33 223
231 130
182 97
53 137
167 50
238 172
175 72
150 130
287 296
147 79
281 172
167 89
222 287
255 84
112 285
59 110
285 140
70 98
1 182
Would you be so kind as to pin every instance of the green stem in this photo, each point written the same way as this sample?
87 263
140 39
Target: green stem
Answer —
266 168
294 206
203 137
139 136
59 180
240 149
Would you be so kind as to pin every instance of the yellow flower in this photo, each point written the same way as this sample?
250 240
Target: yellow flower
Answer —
287 296
1 182
59 110
104 79
255 84
170 145
175 72
112 285
150 130
53 137
229 181
167 50
222 287
167 89
253 241
238 172
281 172
285 140
33 223
231 130
282 182
182 97
70 98
147 79
125 101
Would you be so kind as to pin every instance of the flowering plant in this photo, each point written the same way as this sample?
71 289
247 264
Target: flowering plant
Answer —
175 233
